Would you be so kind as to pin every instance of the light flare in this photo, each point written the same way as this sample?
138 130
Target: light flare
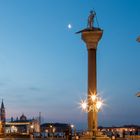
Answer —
93 103
72 126
83 104
99 104
93 97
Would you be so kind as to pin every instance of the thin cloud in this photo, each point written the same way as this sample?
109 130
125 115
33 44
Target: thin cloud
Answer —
34 89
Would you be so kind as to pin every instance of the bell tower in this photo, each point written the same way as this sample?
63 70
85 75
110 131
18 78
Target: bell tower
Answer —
2 117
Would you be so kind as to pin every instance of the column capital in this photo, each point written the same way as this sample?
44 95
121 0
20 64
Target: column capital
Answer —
91 38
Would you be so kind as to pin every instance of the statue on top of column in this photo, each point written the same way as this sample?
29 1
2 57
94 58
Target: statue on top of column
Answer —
91 19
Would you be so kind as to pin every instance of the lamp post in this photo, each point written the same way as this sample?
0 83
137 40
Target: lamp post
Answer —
73 129
52 130
95 105
32 127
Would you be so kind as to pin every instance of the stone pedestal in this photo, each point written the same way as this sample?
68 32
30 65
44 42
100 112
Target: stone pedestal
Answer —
102 137
89 136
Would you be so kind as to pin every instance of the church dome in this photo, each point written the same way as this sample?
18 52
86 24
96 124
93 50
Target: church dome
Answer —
23 117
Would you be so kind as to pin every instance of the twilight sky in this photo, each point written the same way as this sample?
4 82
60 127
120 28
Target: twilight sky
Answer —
43 63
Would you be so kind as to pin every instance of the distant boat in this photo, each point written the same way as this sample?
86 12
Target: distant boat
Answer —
138 39
138 94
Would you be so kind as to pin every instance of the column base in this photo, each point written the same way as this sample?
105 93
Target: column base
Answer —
98 137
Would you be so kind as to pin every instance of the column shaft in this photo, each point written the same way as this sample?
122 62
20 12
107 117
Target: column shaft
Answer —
92 115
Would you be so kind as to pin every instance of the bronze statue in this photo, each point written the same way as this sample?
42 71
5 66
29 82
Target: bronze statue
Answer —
91 19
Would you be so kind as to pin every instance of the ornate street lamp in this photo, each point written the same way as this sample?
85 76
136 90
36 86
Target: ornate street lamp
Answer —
73 129
95 106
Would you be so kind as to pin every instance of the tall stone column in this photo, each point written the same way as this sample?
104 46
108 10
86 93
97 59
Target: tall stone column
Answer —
91 38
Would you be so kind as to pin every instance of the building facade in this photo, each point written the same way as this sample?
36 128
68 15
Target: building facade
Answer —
22 126
17 126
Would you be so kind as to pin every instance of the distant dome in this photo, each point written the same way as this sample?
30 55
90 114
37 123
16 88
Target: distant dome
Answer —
23 117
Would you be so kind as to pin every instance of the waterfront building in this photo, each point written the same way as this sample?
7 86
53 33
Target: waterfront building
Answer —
121 131
56 129
22 126
17 126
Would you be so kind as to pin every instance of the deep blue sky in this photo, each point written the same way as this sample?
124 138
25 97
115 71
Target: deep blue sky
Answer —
43 64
